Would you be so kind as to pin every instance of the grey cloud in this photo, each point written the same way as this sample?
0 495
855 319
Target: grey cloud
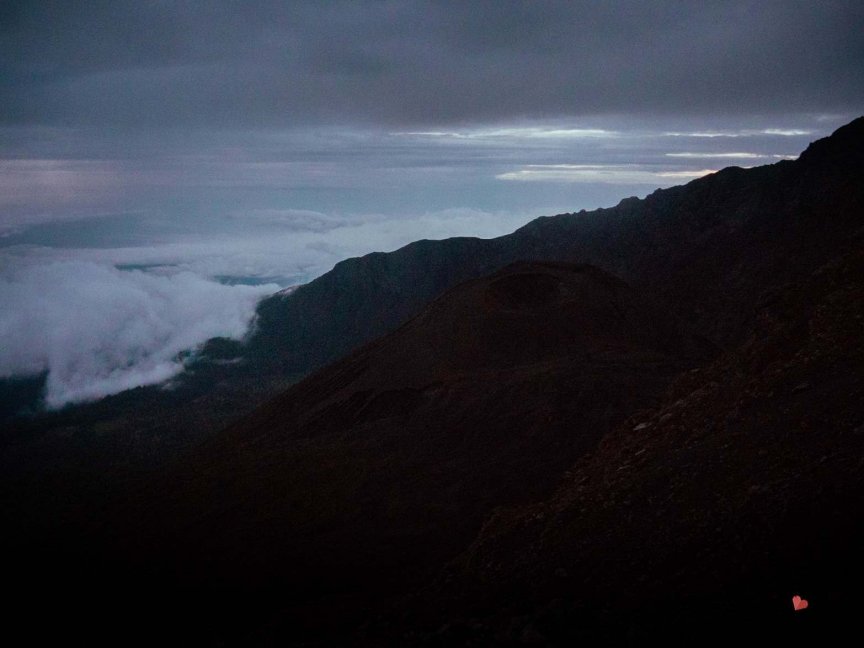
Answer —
191 181
272 63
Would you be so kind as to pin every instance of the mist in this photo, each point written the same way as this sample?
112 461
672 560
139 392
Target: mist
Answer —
98 330
114 315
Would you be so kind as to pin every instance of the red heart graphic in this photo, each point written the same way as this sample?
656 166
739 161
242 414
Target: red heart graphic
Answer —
798 603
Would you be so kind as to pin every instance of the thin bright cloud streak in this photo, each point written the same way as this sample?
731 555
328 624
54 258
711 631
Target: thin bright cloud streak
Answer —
514 133
779 132
686 175
611 174
699 156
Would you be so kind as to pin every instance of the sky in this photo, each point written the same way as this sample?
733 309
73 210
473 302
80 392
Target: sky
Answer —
164 164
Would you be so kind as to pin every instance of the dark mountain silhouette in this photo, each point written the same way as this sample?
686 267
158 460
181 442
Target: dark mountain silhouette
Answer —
709 247
548 451
397 452
710 510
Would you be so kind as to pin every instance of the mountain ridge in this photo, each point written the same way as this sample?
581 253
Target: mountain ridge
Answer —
366 296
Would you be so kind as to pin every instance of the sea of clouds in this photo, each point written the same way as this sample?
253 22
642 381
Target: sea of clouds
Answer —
103 319
98 330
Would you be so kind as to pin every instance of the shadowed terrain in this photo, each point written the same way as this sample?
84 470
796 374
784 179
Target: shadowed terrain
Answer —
543 451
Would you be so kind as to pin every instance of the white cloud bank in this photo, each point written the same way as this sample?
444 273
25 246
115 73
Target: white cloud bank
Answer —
297 245
97 330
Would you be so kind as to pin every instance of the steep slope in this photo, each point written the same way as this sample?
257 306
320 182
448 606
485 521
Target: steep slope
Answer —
368 475
704 515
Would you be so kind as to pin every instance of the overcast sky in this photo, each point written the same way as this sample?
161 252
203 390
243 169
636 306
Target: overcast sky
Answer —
261 142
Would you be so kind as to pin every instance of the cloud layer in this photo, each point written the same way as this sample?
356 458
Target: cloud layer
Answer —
97 330
275 63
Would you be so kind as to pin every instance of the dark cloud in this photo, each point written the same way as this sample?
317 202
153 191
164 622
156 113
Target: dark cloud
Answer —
254 64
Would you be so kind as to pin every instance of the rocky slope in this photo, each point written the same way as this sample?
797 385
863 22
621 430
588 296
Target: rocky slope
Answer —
710 510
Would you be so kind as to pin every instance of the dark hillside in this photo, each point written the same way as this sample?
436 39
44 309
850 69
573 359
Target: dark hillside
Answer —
711 510
366 476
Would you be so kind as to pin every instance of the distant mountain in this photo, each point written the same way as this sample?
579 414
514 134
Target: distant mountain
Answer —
649 399
708 248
